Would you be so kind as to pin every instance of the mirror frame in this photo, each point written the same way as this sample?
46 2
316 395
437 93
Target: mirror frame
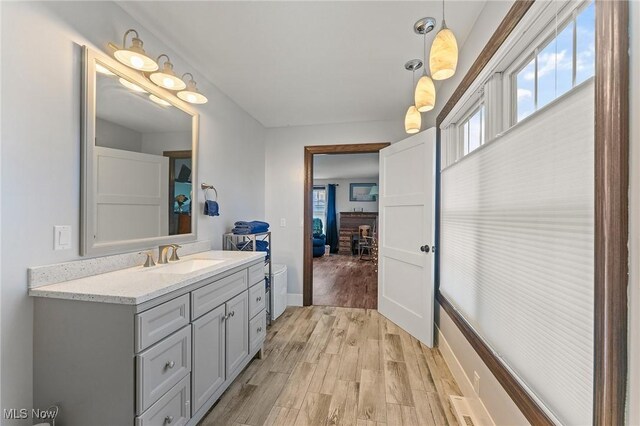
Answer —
87 170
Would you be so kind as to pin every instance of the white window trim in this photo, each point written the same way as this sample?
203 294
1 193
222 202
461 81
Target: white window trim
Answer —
565 15
538 25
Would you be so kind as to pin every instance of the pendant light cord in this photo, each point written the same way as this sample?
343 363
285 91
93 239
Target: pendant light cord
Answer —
444 25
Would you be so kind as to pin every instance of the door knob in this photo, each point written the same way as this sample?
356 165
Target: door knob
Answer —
425 249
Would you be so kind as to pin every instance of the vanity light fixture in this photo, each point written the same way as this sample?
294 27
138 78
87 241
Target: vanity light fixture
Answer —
191 93
425 93
167 78
413 119
103 70
159 101
134 56
443 59
132 86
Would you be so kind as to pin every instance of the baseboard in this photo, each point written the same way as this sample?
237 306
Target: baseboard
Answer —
464 382
294 299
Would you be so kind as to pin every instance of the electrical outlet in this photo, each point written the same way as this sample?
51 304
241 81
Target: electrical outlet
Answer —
476 383
283 222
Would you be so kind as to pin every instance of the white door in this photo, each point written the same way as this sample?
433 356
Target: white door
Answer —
132 195
407 203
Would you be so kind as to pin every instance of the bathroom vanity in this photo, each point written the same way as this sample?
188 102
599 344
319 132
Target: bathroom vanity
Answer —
148 346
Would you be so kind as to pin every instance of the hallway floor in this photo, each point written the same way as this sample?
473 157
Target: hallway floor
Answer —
338 366
345 281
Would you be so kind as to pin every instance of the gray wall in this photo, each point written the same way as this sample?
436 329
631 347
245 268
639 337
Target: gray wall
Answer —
41 75
342 195
112 135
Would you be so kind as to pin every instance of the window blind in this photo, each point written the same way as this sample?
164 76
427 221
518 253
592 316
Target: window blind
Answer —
517 234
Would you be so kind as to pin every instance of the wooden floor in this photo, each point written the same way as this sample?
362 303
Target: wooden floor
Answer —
346 281
338 366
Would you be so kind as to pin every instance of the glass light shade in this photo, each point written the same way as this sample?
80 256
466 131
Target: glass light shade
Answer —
132 86
135 57
413 120
425 95
103 70
167 78
159 101
443 58
192 95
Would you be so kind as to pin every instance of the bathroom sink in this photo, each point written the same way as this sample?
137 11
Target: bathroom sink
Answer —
185 266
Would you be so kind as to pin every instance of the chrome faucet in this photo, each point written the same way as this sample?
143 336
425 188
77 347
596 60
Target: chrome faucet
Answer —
162 253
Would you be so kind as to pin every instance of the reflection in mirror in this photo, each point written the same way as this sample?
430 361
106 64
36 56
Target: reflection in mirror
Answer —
142 163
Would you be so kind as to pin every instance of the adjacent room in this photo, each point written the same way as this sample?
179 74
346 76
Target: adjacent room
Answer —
345 229
290 213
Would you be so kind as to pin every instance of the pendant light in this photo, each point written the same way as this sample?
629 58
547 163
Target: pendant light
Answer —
413 119
443 59
167 78
191 93
425 94
134 56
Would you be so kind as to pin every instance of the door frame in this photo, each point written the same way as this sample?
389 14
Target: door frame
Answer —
309 152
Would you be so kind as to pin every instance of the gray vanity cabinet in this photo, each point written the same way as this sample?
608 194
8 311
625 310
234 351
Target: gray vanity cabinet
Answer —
209 334
160 362
237 331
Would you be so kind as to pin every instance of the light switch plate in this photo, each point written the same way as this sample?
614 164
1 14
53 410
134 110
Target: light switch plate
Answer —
61 237
283 222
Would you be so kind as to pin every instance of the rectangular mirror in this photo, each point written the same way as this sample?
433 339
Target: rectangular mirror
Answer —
139 161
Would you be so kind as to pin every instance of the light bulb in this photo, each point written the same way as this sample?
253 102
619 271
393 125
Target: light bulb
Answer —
412 120
443 58
425 94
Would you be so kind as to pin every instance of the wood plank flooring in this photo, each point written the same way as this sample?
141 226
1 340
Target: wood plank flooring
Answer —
345 281
339 366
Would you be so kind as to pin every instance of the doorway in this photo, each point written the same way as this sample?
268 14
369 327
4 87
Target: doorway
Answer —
346 270
345 223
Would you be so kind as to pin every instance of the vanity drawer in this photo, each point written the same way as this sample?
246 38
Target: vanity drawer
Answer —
256 299
161 366
215 294
257 331
159 322
256 273
172 409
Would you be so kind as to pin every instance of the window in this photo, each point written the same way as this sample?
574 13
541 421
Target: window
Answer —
472 130
320 204
559 65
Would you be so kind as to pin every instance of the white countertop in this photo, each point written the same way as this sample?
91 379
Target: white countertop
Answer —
133 286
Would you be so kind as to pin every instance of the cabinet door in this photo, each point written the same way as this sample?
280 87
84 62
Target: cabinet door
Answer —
237 331
208 356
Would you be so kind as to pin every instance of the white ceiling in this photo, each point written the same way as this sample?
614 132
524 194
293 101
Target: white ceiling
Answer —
304 62
345 166
135 111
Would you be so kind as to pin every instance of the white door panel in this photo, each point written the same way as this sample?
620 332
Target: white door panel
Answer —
405 273
132 195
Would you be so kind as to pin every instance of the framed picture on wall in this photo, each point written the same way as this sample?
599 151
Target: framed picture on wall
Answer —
362 191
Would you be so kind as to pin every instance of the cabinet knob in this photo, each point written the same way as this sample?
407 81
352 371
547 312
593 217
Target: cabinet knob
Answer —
170 364
232 313
259 298
168 419
259 329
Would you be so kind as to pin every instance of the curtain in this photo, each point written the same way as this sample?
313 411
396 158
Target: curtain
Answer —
332 227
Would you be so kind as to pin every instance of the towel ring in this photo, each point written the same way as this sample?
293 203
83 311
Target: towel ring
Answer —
205 188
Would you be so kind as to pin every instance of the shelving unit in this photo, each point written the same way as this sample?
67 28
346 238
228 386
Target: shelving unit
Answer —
249 242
